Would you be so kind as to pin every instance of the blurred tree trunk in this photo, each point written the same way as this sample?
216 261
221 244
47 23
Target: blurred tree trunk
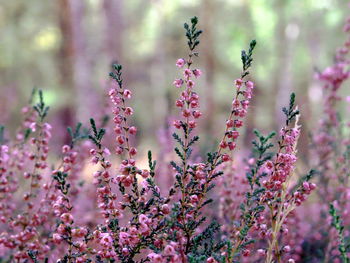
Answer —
282 85
208 51
65 64
85 100
158 70
250 119
113 30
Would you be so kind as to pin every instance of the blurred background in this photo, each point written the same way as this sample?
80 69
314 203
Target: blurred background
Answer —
66 48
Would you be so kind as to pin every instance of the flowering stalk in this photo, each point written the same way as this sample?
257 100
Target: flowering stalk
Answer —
189 104
331 143
228 142
41 147
252 208
337 224
147 208
137 223
281 171
195 181
328 141
76 237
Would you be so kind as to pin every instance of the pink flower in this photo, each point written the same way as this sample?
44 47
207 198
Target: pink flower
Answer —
229 123
180 62
179 103
106 151
178 83
286 249
238 123
133 151
211 260
106 240
169 250
194 199
177 124
129 111
238 83
196 114
197 73
33 126
133 130
249 85
225 157
155 258
127 93
190 83
187 73
143 219
67 218
145 173
192 124
269 165
123 237
112 92
165 209
57 238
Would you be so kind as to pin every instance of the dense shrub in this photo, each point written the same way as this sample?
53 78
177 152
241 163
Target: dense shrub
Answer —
51 212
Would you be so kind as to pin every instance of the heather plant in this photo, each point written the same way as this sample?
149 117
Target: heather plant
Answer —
338 225
96 203
330 146
270 196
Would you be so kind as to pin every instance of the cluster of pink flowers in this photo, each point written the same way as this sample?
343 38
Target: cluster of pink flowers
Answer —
239 111
280 170
119 213
330 149
189 100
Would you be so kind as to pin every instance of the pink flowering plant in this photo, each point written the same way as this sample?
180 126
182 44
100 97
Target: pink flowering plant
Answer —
50 212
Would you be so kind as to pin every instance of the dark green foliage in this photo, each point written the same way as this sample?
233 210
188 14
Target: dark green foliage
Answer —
40 107
211 156
114 225
27 132
207 244
260 147
177 151
178 139
32 95
32 254
117 74
62 185
2 134
250 208
193 140
105 120
305 178
338 225
247 58
97 136
290 113
176 167
151 164
314 251
77 134
192 33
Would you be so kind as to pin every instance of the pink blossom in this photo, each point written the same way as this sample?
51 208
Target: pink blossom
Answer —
106 240
178 83
187 73
180 62
197 73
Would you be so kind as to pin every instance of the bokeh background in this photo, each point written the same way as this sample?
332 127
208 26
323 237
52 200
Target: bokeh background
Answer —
66 48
